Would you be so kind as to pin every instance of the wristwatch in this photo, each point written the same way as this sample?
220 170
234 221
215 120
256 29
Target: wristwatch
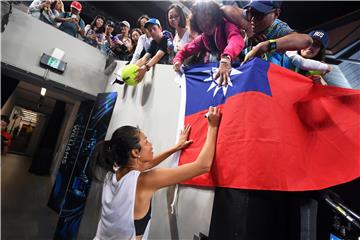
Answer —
272 46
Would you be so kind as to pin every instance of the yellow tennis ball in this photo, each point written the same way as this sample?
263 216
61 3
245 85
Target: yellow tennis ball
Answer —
313 72
129 73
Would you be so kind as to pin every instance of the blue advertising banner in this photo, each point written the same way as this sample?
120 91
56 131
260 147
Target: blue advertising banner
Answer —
78 187
334 237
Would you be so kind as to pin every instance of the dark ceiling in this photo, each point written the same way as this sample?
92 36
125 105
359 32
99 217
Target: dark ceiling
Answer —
308 14
300 15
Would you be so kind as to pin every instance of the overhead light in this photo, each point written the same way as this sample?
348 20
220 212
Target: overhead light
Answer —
43 91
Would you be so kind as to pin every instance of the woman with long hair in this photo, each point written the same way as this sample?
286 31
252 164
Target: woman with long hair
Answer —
144 40
94 33
135 34
130 180
176 20
48 14
309 61
57 7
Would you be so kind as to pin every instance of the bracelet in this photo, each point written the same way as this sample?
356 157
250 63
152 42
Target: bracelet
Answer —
147 67
225 59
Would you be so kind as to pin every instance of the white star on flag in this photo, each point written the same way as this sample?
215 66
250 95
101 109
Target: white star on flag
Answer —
215 83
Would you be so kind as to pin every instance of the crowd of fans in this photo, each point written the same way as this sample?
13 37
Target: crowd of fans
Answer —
212 33
130 44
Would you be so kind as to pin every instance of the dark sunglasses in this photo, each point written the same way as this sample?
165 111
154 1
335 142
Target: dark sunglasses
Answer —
256 14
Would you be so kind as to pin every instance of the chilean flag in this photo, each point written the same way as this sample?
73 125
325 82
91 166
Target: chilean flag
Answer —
279 130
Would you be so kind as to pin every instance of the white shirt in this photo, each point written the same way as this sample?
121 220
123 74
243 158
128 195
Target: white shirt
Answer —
179 43
306 64
143 42
34 8
117 213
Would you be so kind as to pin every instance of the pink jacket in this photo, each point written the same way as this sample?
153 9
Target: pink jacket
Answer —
231 44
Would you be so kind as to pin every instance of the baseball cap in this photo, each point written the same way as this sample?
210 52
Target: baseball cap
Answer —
264 6
76 5
152 21
321 36
125 23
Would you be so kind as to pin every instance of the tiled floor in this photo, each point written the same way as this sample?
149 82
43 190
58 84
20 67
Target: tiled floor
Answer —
24 196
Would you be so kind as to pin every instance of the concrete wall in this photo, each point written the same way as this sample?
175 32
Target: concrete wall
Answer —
9 105
153 105
25 39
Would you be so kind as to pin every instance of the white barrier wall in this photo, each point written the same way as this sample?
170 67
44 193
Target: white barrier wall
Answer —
153 105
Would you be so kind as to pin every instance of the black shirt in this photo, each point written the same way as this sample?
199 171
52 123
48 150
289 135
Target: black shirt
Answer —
154 47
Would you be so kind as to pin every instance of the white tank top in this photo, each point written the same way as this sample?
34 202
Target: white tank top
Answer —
117 213
179 43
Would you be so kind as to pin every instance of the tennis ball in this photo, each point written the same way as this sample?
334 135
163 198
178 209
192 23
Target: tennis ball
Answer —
129 73
312 72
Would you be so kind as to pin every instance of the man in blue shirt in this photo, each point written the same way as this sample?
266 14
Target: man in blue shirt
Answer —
269 37
71 22
272 37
